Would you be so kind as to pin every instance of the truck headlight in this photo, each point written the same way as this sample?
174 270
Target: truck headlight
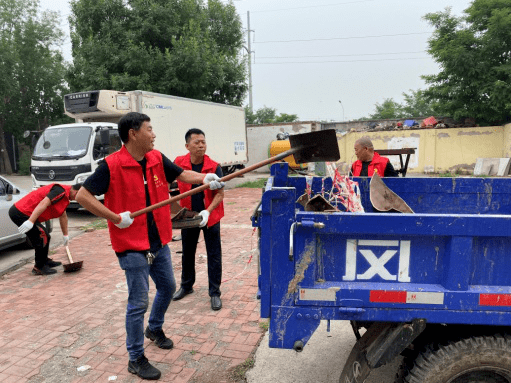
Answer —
81 179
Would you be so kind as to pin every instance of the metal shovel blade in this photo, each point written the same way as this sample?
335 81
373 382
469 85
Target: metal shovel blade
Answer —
315 146
384 199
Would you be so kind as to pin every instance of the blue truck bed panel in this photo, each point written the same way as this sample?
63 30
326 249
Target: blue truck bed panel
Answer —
447 263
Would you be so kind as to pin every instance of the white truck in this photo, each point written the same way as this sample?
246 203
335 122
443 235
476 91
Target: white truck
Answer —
69 153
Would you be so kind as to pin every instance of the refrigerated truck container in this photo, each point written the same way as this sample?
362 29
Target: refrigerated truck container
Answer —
69 153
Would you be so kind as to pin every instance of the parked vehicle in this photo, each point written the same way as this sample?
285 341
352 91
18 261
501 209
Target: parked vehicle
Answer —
70 153
433 286
9 234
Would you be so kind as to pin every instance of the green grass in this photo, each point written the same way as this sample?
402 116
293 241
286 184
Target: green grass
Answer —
264 325
97 224
257 184
447 175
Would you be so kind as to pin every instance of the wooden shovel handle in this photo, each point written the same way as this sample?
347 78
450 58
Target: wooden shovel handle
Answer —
223 179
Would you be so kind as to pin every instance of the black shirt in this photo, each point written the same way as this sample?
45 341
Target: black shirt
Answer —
198 199
99 182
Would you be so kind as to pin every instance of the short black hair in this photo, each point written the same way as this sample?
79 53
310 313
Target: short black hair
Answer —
191 131
77 186
132 120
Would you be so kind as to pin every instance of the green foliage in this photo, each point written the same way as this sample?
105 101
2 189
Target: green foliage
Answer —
179 47
416 104
388 109
266 115
31 68
473 52
24 162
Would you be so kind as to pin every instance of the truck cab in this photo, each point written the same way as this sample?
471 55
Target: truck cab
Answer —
70 153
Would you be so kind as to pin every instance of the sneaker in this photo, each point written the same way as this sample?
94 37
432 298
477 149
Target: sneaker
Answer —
142 368
51 263
159 338
45 270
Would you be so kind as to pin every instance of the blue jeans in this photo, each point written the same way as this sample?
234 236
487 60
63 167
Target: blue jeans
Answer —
137 272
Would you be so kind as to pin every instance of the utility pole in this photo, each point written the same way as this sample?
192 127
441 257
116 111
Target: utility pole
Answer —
250 103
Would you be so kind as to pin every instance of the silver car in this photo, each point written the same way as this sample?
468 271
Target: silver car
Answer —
10 194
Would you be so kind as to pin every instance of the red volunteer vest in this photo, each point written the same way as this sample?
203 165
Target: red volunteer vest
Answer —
126 192
378 162
209 166
28 203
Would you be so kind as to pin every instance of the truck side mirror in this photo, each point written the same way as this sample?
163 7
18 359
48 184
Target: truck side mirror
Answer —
104 136
10 190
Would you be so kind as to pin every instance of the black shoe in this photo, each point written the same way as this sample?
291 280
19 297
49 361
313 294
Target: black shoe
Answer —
159 338
51 263
144 369
216 302
45 270
181 293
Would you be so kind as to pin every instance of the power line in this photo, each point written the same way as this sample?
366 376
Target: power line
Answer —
343 61
313 6
342 38
350 55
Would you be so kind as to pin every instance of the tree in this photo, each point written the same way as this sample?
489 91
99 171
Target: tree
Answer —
388 109
284 117
31 71
266 115
179 47
474 54
416 104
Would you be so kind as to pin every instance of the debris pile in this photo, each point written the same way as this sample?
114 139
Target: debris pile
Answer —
430 122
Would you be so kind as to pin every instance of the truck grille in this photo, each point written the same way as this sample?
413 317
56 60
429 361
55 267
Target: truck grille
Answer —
58 173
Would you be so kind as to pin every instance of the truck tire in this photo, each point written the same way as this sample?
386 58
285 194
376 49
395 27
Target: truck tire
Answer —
481 359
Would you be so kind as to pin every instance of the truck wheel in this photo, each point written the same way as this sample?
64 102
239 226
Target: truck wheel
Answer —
482 359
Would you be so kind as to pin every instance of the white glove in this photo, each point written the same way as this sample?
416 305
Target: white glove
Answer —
126 221
25 226
212 179
66 240
205 217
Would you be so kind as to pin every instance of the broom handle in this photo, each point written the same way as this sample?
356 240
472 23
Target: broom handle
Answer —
223 179
69 254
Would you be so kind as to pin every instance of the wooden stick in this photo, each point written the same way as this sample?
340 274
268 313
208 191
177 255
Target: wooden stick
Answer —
223 179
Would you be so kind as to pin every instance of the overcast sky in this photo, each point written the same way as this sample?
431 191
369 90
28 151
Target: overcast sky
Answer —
311 54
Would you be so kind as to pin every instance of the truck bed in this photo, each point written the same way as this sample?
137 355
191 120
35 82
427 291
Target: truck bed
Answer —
447 263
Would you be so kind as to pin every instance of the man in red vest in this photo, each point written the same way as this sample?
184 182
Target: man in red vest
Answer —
132 178
39 206
211 207
368 161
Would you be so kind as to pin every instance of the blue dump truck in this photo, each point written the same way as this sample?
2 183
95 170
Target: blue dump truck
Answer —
433 286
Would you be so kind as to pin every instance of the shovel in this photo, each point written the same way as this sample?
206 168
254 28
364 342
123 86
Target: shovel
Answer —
384 199
306 147
72 266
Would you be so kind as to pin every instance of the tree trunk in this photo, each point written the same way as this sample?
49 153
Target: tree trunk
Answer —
5 162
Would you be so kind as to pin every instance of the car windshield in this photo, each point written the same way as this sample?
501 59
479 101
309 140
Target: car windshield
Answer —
62 143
